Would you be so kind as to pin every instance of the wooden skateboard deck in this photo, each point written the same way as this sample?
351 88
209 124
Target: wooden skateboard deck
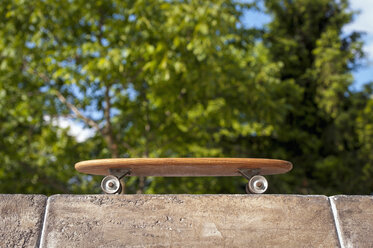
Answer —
178 167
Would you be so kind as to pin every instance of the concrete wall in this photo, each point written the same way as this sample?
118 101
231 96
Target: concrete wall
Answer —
186 221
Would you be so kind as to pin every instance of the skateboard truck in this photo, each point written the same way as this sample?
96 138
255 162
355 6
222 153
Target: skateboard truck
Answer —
257 184
111 184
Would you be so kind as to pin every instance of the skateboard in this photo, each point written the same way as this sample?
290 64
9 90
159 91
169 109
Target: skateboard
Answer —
252 169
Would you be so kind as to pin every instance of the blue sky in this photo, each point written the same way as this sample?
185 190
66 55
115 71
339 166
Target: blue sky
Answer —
363 22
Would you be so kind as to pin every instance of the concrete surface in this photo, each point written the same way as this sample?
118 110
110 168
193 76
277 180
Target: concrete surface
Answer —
355 217
21 220
189 221
186 221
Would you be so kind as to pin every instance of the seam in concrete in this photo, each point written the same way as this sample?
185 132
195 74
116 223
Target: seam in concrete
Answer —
42 238
41 222
336 222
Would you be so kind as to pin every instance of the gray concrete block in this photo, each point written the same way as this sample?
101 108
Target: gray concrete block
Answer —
355 220
189 221
21 220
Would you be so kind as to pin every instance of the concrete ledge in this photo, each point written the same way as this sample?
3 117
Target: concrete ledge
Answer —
355 216
189 220
185 220
21 220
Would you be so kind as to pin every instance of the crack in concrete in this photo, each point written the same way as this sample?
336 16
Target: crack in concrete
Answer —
42 237
337 223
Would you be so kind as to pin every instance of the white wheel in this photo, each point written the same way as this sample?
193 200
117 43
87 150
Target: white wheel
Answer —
257 185
111 185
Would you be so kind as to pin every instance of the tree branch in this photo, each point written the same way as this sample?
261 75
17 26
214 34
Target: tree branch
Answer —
77 112
113 146
72 107
108 136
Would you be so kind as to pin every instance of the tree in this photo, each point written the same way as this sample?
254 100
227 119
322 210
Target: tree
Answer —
152 78
321 134
179 79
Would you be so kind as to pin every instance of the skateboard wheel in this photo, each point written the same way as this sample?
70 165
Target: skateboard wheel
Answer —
257 185
110 185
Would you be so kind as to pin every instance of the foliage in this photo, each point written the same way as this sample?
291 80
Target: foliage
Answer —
321 136
181 79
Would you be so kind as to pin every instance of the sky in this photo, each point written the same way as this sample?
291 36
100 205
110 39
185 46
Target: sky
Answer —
363 22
